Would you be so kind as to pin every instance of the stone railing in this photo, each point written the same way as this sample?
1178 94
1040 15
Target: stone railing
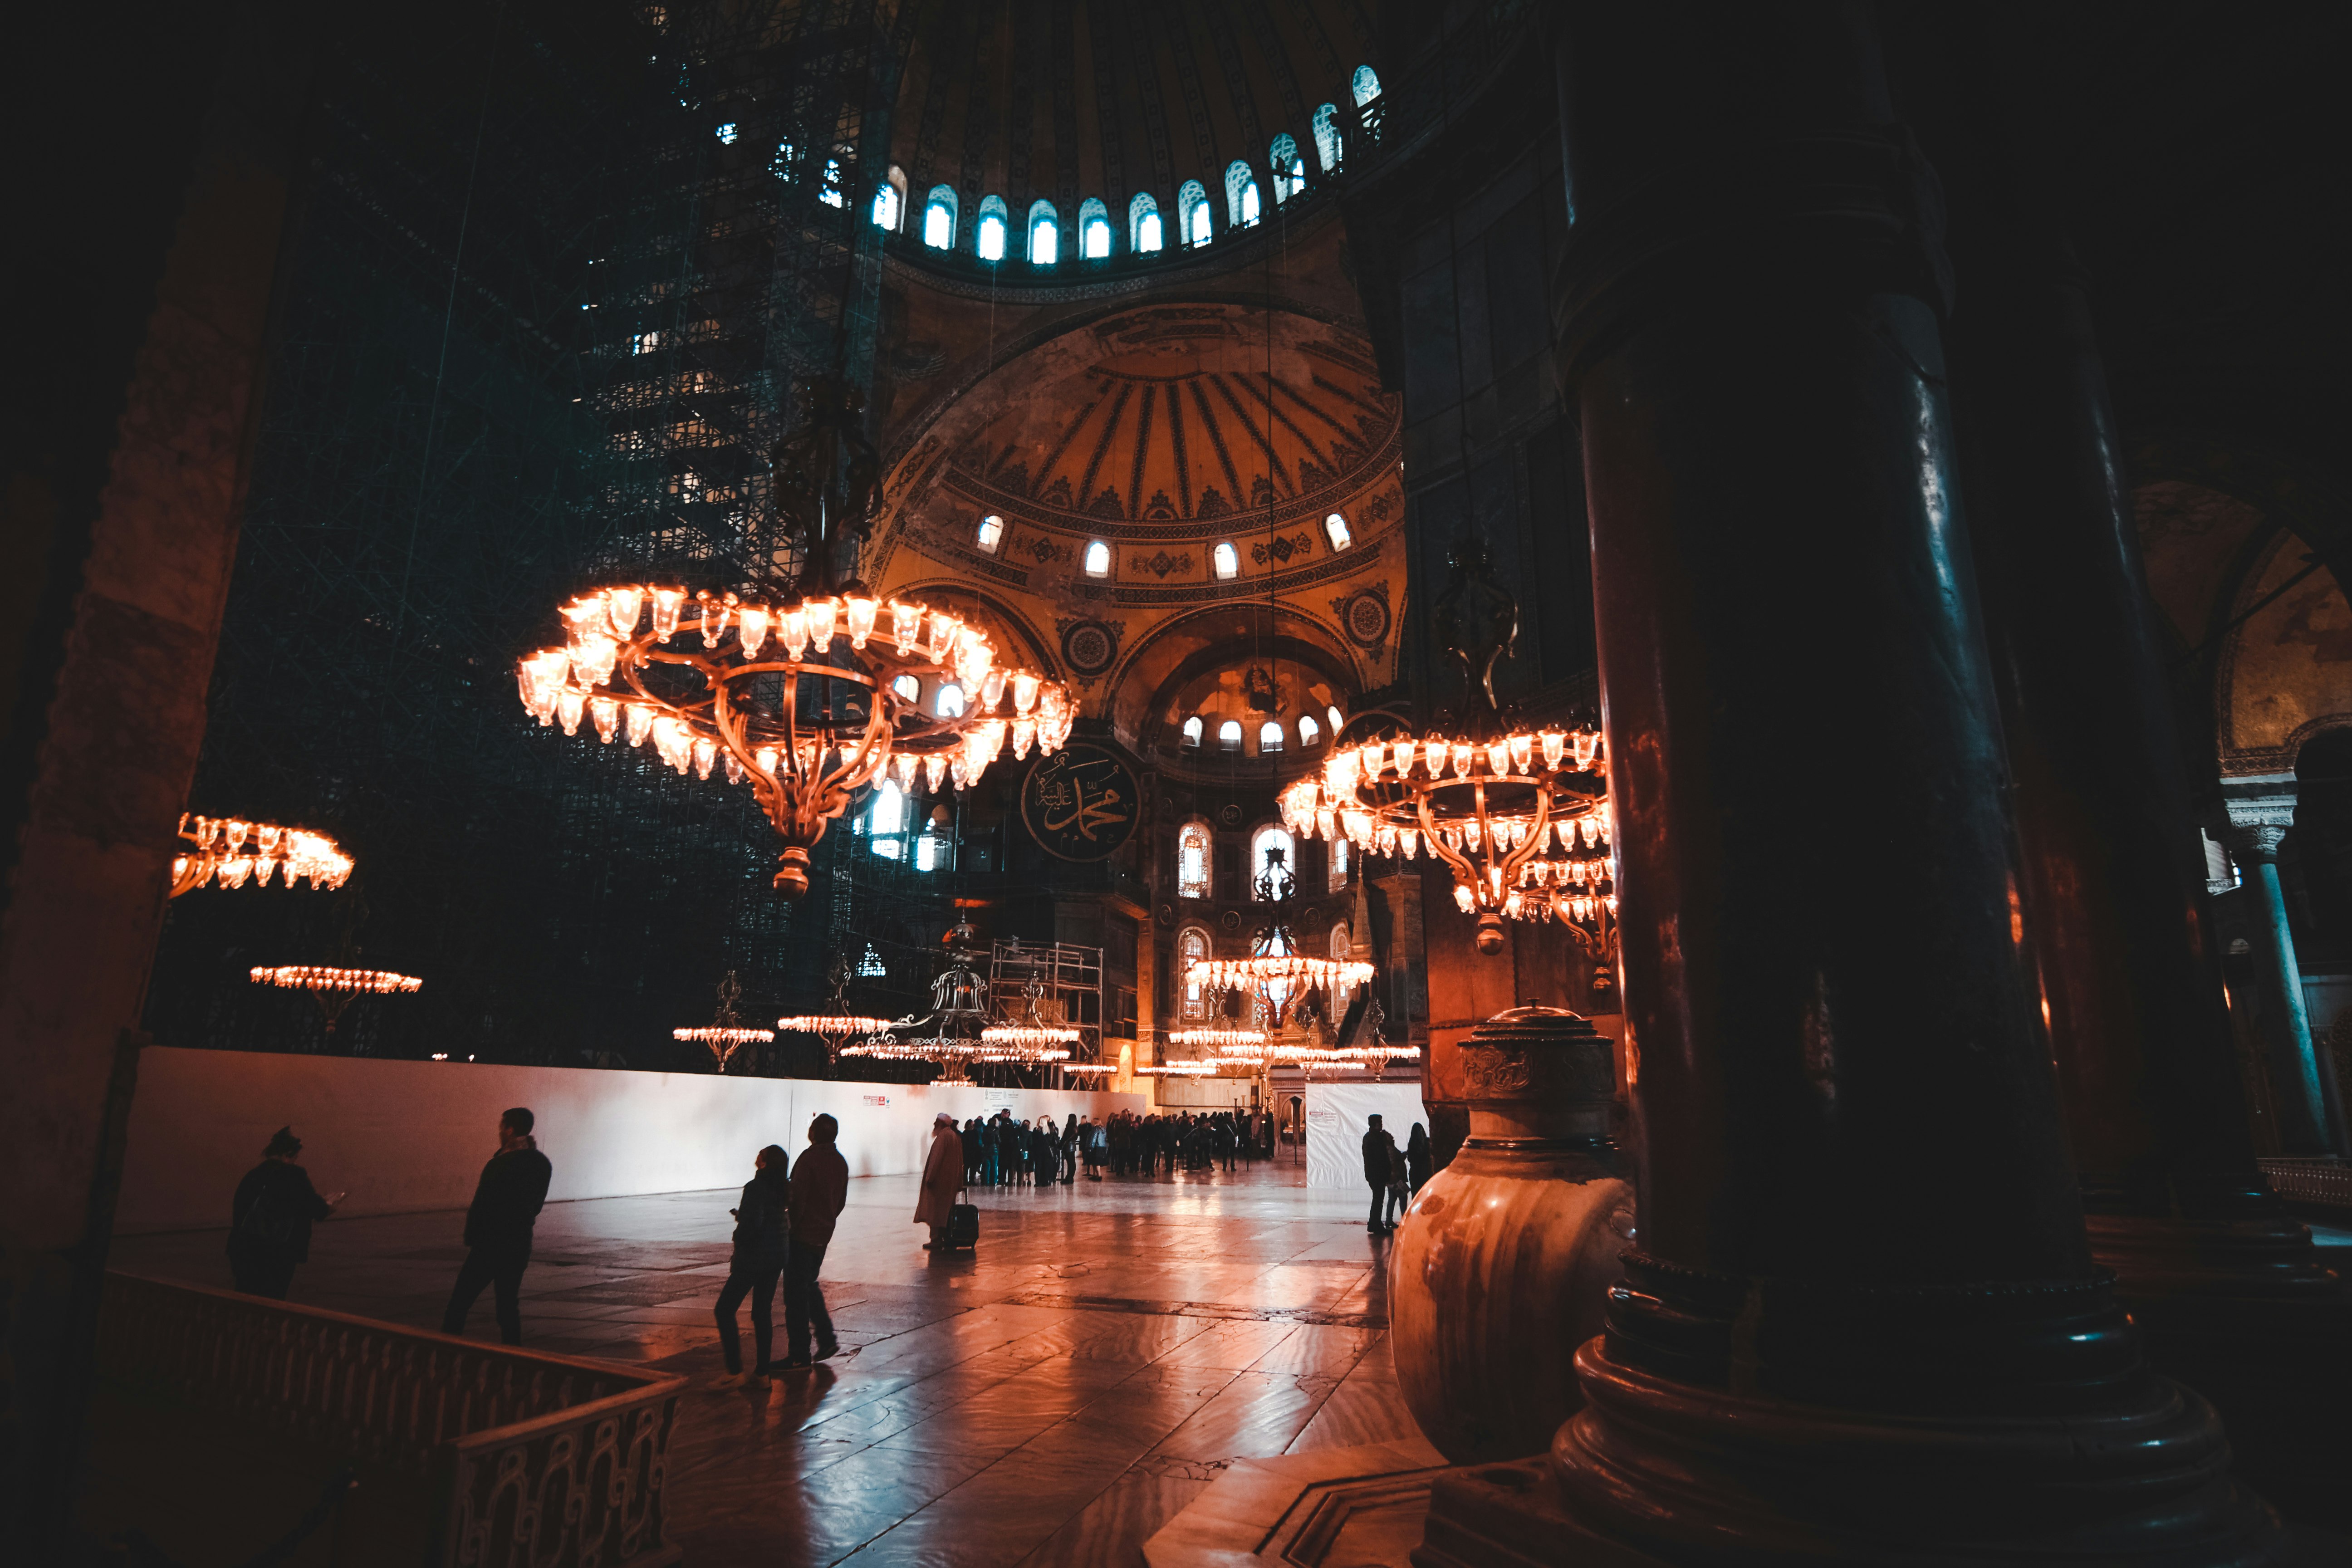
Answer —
530 1457
2327 1182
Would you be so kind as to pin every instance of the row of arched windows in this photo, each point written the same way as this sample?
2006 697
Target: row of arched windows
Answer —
1040 240
1192 843
1271 736
1224 556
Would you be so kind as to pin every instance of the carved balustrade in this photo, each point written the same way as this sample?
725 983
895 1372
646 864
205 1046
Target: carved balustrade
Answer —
553 1460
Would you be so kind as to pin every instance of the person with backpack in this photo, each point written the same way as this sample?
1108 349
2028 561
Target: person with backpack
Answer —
761 1246
270 1219
820 1189
507 1200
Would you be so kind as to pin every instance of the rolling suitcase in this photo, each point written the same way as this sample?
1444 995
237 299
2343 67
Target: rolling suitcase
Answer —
963 1228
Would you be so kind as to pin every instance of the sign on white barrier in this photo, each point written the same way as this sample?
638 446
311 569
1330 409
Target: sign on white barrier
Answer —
1337 1117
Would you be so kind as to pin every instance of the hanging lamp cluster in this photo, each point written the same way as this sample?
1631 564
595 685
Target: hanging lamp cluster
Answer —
807 702
835 1028
226 852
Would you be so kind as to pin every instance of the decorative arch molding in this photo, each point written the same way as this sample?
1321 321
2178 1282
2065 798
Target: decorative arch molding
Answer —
1331 659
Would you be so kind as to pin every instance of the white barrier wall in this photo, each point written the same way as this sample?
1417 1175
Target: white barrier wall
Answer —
402 1137
1335 1119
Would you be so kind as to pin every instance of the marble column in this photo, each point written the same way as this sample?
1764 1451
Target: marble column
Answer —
2302 1086
2228 1292
1862 1322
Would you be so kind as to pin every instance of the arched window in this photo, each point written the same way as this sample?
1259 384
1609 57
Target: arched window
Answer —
1310 733
1094 230
991 532
1366 86
1290 168
949 702
1227 559
1340 850
1044 234
1229 735
1192 860
1271 845
887 822
939 218
1143 234
1193 212
890 201
1327 137
1343 943
1240 196
1269 736
1098 559
1192 947
1336 527
987 235
1192 727
907 688
1337 723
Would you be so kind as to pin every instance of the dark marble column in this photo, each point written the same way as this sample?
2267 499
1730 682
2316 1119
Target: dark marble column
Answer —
1862 1322
2301 1082
2228 1291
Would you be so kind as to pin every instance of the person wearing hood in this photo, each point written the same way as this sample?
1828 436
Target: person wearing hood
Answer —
270 1219
1418 1157
762 1247
942 1180
507 1201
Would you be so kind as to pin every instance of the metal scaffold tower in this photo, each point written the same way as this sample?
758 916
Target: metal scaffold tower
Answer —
1071 979
553 277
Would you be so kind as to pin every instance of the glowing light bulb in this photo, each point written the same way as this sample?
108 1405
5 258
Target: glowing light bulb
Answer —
623 606
822 613
714 622
1461 753
640 723
1024 691
1523 748
669 603
906 625
734 767
751 627
1463 898
1498 758
607 714
1555 743
791 630
764 759
992 690
859 612
706 752
1024 732
568 705
935 768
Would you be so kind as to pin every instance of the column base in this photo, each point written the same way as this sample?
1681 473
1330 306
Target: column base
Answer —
1655 1472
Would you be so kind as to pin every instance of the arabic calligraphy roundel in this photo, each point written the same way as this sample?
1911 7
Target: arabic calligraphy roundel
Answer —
1080 804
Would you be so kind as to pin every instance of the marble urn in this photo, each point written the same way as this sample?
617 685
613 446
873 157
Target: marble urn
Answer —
1501 1266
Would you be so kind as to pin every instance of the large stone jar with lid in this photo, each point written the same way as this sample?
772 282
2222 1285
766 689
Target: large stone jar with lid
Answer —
1502 1265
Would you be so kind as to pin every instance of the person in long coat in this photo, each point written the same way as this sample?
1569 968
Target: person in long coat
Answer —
270 1219
942 1180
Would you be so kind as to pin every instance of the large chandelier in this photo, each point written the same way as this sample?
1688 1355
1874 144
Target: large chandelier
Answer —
958 1031
1276 973
336 989
724 1035
1032 1032
1519 815
807 695
835 1028
226 852
807 702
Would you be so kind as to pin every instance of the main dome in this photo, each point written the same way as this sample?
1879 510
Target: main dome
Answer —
1169 431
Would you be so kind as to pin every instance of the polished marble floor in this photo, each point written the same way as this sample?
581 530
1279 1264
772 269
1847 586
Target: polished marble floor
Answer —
1052 1399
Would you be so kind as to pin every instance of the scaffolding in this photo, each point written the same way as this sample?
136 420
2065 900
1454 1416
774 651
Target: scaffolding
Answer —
1071 982
539 323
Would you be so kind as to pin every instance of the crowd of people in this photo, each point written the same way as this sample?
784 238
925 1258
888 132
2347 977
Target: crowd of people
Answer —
999 1152
785 1218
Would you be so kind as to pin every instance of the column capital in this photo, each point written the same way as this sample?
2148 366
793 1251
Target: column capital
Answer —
2255 841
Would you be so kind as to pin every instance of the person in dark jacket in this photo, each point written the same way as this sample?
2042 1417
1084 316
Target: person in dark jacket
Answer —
1070 1150
820 1187
1378 1141
1417 1157
763 1246
507 1201
270 1219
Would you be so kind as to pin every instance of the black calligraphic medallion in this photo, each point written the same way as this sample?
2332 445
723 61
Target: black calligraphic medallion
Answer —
1081 803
